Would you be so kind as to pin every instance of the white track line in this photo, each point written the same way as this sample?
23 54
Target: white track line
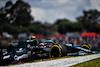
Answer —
65 62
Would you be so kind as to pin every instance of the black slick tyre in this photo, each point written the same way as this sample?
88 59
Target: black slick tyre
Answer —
58 51
86 46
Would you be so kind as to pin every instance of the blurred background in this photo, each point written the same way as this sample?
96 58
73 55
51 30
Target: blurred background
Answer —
63 21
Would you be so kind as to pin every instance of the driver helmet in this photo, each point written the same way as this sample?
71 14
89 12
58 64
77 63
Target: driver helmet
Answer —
32 37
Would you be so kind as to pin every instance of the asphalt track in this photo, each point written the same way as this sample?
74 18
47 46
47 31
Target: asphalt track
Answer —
65 62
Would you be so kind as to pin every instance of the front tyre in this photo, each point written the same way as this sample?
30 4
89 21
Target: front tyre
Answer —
86 46
55 51
58 51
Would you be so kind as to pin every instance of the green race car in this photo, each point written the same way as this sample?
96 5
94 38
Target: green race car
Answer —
30 49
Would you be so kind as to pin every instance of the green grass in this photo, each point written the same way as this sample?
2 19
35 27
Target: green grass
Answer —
91 63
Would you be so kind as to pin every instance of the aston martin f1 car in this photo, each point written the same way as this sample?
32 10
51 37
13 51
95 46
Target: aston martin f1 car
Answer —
58 50
32 49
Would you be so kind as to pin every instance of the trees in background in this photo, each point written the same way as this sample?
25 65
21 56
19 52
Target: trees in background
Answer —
4 13
21 13
15 18
64 25
17 14
90 19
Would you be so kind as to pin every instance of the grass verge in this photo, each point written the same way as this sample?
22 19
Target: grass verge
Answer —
91 63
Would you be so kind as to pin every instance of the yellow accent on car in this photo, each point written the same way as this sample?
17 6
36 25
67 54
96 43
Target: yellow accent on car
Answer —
33 37
85 45
53 47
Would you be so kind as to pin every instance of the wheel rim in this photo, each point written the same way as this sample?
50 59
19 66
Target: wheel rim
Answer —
85 46
55 52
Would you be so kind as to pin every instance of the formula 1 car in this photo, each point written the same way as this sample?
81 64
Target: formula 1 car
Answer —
57 50
32 49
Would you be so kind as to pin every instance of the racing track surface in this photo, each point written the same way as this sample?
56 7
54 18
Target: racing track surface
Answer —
65 62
